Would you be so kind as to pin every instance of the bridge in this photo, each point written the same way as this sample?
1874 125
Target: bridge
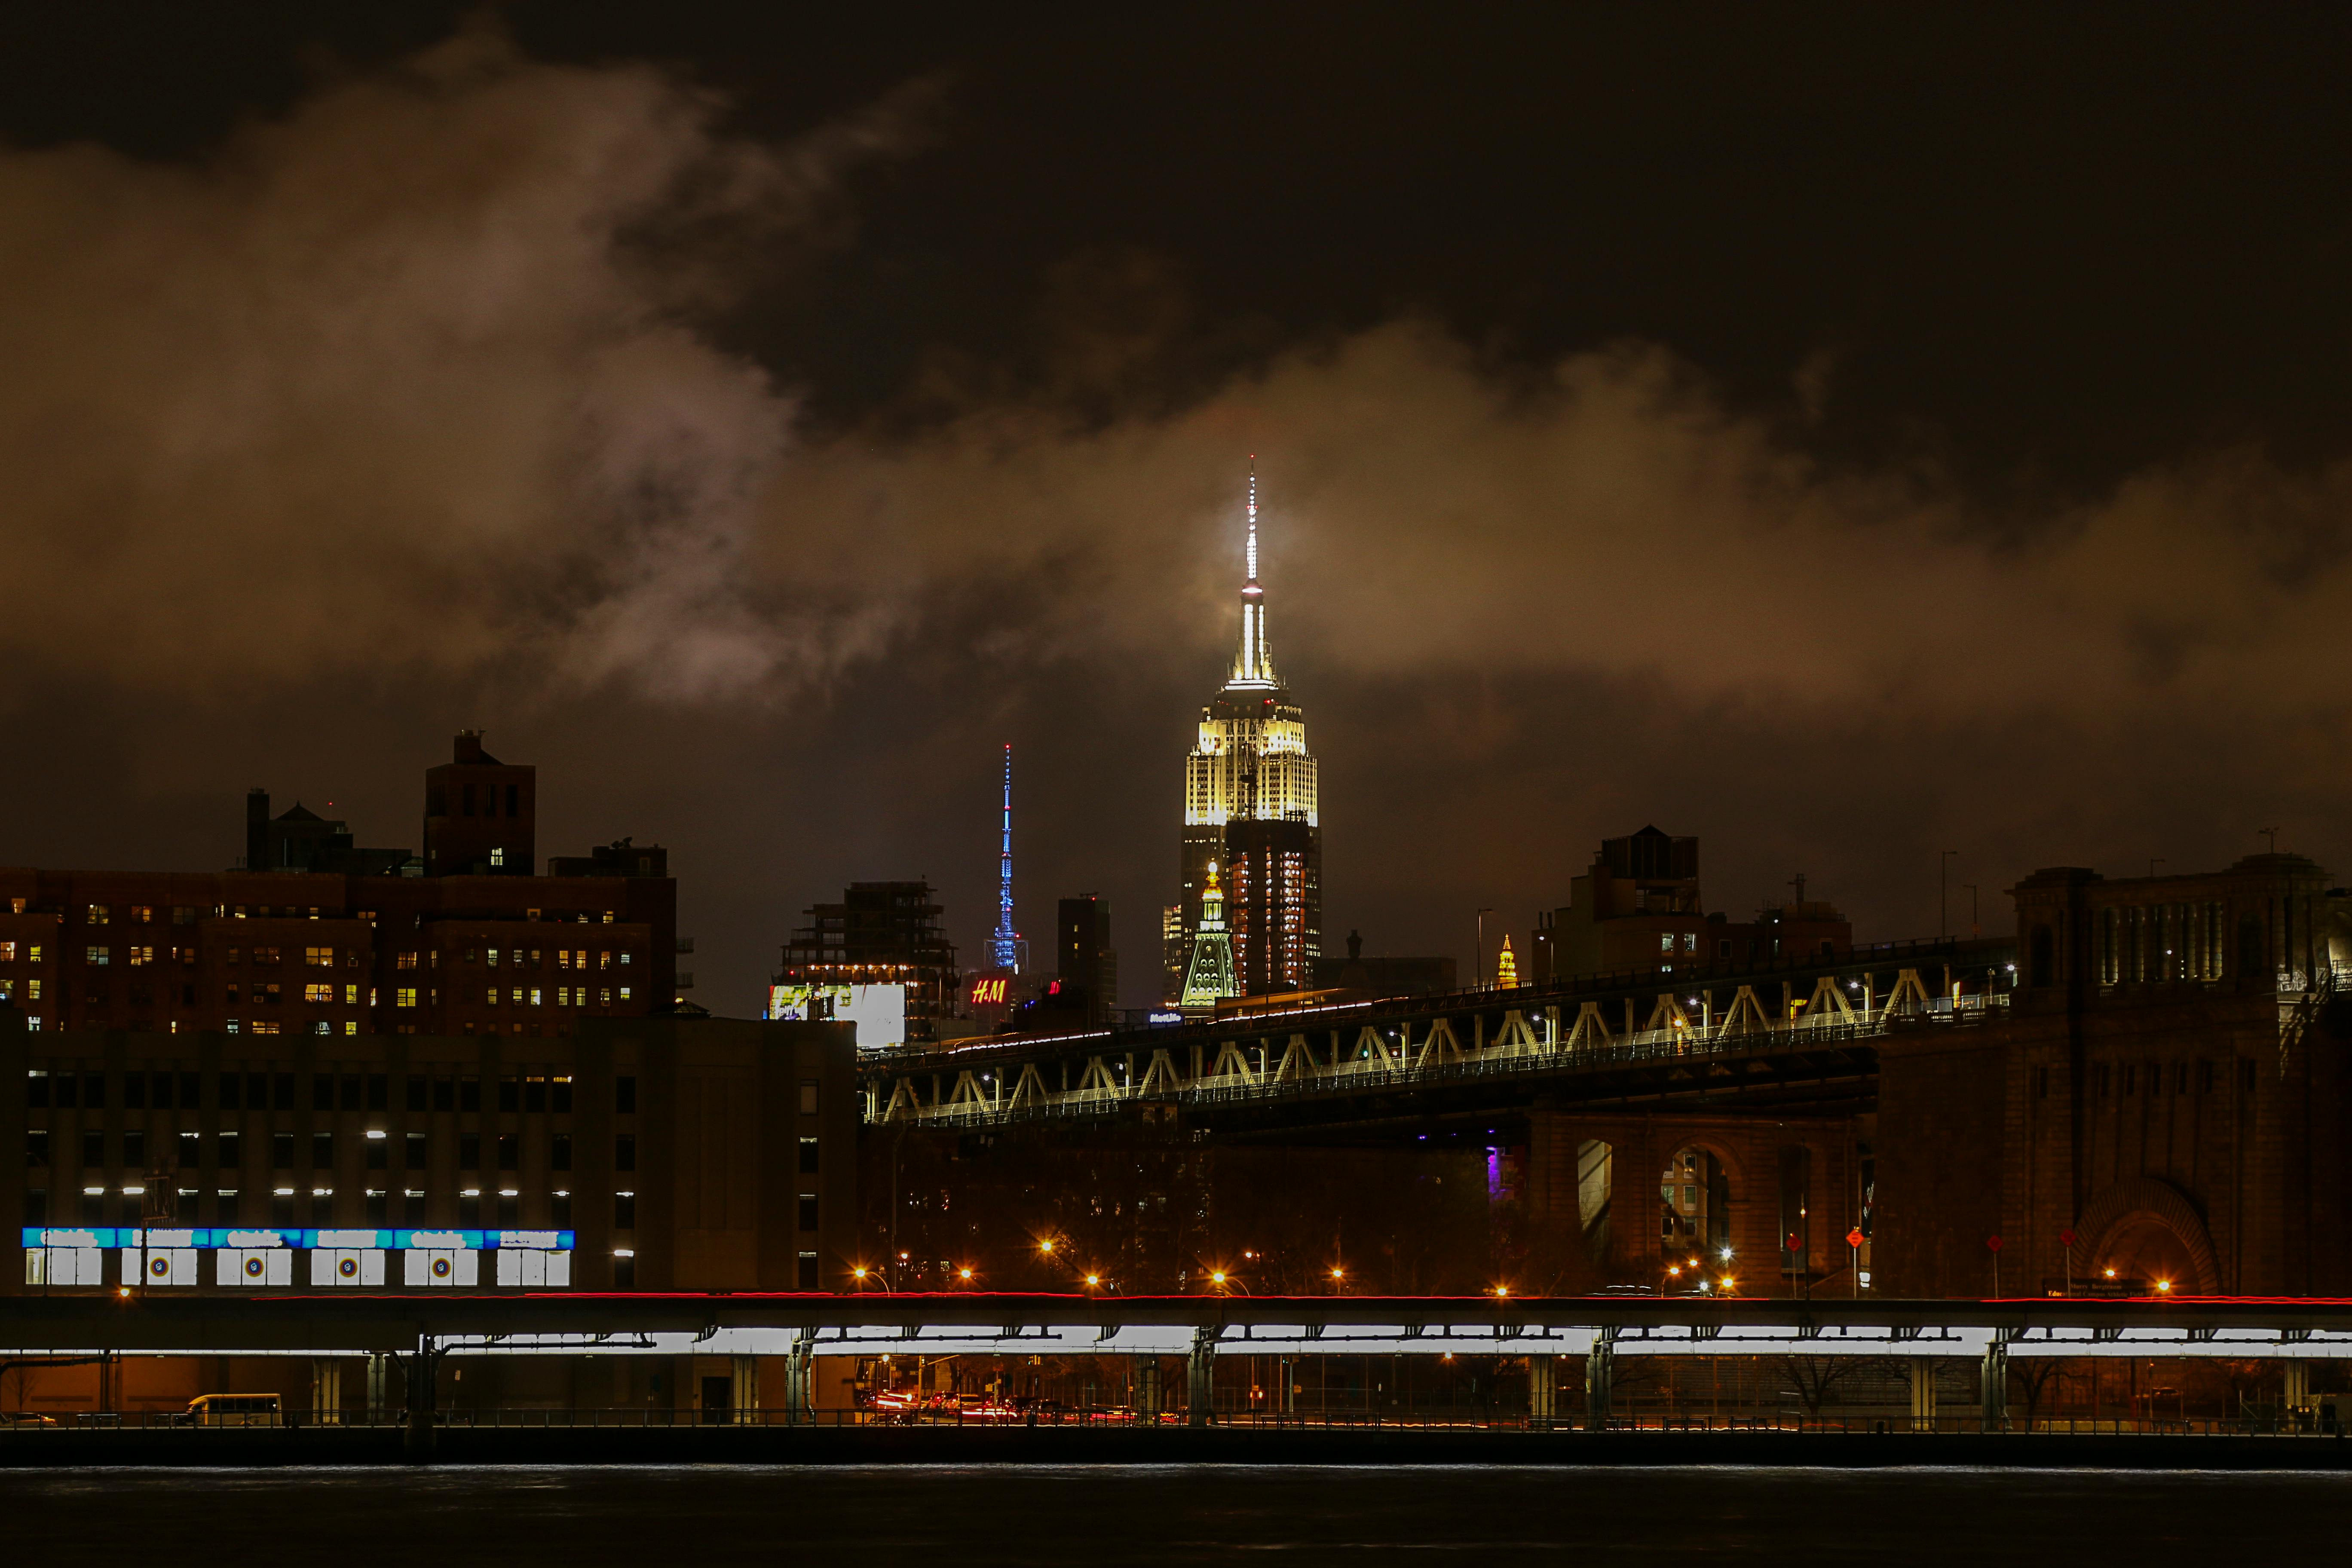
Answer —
1795 1035
791 1331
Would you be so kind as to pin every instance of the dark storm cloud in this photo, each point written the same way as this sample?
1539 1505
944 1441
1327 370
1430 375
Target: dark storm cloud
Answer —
428 401
405 380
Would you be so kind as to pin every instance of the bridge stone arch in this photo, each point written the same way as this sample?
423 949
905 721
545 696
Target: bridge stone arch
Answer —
1705 1214
2131 1221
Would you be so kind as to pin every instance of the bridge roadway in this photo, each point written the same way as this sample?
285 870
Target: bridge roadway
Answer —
1786 1038
877 1324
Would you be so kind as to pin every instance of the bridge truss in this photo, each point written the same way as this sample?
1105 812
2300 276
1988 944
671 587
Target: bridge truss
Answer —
1773 1035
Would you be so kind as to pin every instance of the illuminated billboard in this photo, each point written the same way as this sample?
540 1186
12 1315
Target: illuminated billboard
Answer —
878 1011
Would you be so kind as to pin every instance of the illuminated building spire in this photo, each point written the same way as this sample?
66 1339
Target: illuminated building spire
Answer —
1507 968
1209 974
1254 661
1005 943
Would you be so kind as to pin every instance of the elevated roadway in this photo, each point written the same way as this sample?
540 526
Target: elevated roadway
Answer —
1786 1038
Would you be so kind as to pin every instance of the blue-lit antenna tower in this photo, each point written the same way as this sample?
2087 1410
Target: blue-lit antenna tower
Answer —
1004 945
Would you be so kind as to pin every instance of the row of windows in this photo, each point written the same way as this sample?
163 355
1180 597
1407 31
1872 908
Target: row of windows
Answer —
565 996
189 914
329 1091
269 1091
566 957
228 1149
140 957
502 1206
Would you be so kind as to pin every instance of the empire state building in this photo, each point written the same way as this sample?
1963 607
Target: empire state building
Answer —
1250 810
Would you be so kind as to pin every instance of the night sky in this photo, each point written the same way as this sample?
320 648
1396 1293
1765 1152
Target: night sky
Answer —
1843 435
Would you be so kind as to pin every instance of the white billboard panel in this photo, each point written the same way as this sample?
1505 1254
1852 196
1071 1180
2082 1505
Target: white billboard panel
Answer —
878 1011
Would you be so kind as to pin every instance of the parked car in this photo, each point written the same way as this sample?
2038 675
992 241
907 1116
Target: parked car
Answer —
26 1418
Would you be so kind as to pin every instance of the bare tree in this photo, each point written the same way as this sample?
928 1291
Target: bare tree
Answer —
1816 1375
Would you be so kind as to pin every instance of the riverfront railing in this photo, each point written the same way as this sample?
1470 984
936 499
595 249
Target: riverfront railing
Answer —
24 1427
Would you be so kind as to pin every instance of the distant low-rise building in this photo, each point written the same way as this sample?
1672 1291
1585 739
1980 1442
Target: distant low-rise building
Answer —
1638 907
880 957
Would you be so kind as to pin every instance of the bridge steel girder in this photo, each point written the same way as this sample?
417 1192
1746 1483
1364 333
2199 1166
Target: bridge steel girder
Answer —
1382 1048
1196 1327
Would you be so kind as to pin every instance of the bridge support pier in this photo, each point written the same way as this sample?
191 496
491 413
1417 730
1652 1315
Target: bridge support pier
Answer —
800 1402
424 1372
1923 1393
743 1389
1199 1366
379 1392
1993 1389
1598 1367
326 1391
1146 1373
1543 1390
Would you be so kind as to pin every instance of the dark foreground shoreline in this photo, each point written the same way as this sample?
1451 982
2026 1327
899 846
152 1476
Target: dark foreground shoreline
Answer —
253 1448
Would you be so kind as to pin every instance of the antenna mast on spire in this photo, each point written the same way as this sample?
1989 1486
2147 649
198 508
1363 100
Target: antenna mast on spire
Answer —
1253 517
1004 945
1253 663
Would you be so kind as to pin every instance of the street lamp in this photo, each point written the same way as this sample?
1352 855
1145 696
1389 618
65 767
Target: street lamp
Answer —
1478 956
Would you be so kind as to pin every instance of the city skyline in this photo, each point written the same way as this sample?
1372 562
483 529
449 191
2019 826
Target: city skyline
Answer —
612 613
2025 549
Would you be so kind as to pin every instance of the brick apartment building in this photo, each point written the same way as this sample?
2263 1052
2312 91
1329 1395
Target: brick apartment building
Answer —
464 939
350 1066
677 1152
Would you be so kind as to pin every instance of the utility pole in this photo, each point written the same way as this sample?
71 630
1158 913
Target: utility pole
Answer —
1479 955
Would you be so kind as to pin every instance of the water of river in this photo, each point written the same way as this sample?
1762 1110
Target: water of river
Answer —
960 1516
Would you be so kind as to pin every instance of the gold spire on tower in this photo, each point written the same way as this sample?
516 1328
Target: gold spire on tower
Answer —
1507 968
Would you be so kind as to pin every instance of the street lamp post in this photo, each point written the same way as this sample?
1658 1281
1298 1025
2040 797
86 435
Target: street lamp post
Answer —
1479 955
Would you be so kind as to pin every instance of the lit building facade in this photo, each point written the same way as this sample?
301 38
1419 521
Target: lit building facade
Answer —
676 1152
292 951
1250 807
